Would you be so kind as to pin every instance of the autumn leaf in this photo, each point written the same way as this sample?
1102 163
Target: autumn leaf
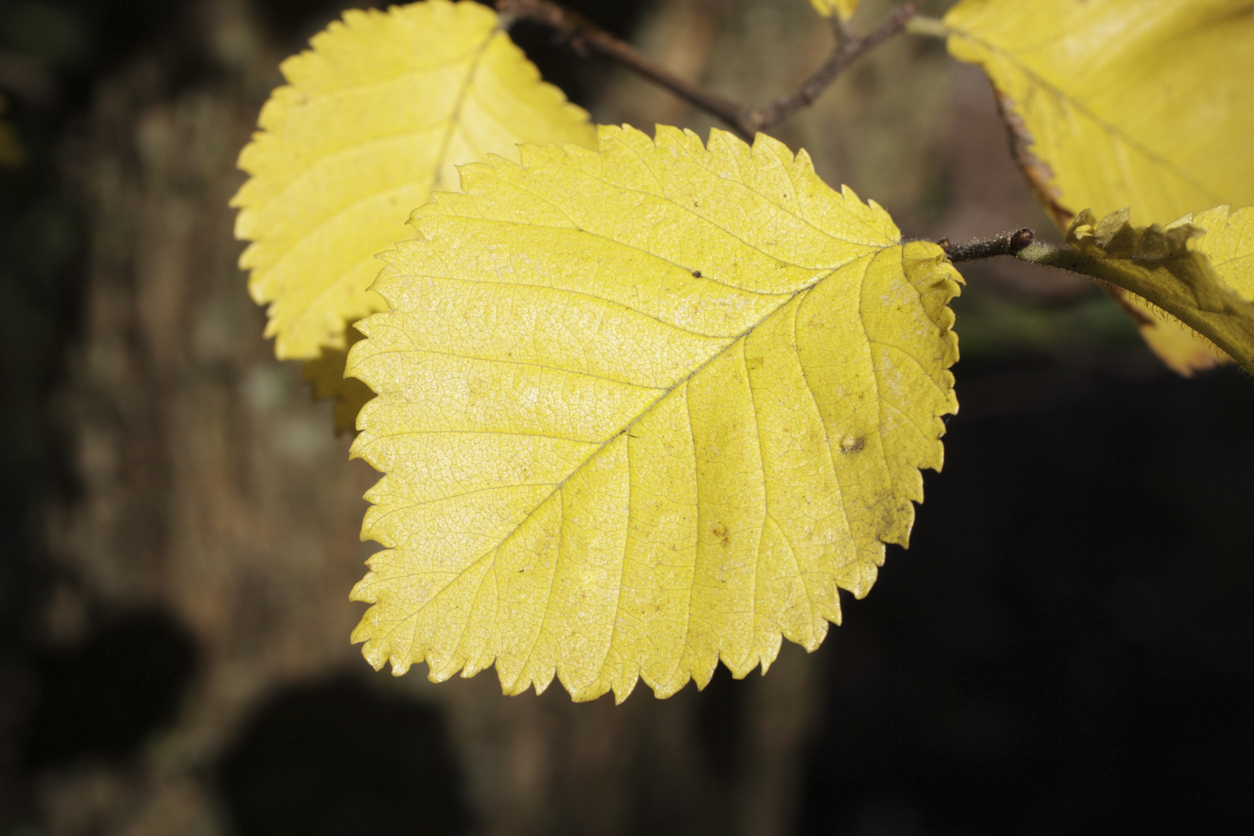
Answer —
373 118
640 410
1122 103
1199 268
843 9
1128 103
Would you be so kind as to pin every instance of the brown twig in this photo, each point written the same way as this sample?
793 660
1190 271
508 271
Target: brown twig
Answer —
1010 243
583 36
848 49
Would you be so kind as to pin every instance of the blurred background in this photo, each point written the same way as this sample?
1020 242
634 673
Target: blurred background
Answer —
1068 645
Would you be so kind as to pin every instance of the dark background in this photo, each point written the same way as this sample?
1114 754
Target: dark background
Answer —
1066 646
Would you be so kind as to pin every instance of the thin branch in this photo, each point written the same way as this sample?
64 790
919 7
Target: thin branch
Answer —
583 36
848 50
1010 243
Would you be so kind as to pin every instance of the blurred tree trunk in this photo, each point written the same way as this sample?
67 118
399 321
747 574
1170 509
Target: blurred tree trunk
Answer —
209 485
212 487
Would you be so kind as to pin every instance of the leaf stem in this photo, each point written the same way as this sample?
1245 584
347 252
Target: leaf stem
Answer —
584 36
1050 255
1009 243
928 27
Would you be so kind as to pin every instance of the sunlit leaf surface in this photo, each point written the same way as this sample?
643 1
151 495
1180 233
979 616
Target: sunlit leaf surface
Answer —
641 410
1124 104
374 117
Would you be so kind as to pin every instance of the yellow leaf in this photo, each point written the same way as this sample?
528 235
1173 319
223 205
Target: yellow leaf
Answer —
1123 103
843 9
1199 268
1229 244
1128 103
640 410
373 118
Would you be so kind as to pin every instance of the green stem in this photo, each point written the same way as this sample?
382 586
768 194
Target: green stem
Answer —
1049 255
928 27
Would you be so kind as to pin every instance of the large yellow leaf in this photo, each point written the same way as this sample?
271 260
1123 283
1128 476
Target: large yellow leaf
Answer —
642 409
373 118
1124 103
1128 102
1199 268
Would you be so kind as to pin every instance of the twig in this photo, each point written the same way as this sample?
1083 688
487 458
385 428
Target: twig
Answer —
584 36
1010 243
847 51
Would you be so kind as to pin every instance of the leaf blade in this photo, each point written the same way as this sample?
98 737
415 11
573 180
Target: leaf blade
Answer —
668 406
1116 104
375 115
1150 118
